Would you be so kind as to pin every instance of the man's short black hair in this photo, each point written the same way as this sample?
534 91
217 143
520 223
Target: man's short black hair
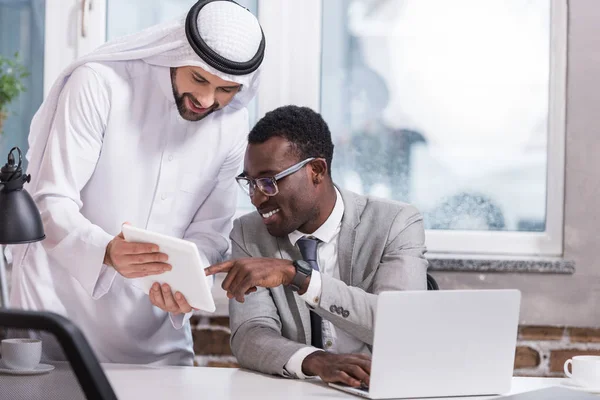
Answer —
304 128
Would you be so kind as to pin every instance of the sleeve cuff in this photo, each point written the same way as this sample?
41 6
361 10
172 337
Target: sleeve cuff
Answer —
100 275
313 293
105 280
178 321
294 365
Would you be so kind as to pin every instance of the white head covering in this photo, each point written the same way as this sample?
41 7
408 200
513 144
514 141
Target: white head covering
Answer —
239 44
231 31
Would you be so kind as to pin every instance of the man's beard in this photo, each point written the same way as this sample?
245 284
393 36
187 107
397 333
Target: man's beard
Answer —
185 113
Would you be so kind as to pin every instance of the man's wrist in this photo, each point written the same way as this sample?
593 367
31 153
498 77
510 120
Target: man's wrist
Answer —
107 260
304 286
310 363
290 274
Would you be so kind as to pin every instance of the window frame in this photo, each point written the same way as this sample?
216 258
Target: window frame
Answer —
64 39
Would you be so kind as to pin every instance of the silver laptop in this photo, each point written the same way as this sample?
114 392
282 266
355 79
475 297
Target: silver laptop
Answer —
443 343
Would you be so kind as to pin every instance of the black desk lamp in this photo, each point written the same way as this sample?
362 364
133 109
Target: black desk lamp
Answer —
20 220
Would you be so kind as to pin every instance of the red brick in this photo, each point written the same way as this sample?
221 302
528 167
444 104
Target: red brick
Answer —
220 321
526 357
195 320
222 364
541 333
558 357
585 335
211 342
216 321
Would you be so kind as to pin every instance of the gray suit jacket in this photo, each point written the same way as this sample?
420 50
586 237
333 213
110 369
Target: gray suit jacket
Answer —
380 248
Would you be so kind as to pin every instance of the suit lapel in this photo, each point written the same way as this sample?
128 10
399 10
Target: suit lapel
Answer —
353 206
298 306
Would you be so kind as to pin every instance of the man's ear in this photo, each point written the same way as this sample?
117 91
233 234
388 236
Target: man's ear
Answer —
319 170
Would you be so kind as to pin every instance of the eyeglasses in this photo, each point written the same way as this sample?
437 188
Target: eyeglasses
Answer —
268 186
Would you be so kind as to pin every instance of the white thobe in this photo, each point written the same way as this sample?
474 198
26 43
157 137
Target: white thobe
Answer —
119 151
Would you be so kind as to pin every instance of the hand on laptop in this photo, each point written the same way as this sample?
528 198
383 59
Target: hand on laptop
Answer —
135 260
162 297
350 369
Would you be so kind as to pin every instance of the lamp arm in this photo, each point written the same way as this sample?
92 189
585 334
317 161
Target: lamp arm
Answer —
9 171
20 161
3 280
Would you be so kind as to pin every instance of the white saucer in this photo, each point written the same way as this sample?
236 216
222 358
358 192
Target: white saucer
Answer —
39 369
572 385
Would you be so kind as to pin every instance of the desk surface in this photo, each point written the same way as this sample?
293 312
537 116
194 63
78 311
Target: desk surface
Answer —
182 383
133 382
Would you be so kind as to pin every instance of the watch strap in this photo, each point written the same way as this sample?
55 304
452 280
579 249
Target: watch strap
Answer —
300 277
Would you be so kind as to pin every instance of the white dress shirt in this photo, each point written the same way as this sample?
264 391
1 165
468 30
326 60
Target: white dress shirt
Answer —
335 339
119 151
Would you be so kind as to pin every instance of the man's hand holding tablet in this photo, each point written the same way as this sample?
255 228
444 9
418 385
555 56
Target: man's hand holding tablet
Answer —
162 297
170 270
135 260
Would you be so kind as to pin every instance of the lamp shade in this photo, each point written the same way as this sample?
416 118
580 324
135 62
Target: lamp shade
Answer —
20 220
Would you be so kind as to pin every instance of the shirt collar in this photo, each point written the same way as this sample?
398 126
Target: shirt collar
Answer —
330 227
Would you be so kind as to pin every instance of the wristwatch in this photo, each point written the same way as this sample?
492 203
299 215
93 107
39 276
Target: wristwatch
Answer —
303 271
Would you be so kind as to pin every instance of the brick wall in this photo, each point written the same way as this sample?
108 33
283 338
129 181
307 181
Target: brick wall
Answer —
541 350
211 341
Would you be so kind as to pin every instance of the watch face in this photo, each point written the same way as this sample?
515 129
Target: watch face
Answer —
304 267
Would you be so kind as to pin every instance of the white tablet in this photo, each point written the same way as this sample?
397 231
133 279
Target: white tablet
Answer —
187 275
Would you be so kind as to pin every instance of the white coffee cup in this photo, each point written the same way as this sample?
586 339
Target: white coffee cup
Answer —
21 354
585 370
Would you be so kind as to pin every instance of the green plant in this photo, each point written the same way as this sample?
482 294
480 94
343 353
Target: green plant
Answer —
12 74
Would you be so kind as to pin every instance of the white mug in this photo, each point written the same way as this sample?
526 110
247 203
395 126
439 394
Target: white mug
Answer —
21 354
585 370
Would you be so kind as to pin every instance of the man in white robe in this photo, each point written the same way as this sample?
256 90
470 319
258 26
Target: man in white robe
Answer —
149 129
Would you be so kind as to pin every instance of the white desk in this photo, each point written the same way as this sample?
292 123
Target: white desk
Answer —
182 383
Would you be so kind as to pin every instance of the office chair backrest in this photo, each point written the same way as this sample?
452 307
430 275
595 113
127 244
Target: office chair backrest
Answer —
431 283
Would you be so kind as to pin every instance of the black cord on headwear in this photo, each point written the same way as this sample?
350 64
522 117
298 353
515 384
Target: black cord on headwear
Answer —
211 57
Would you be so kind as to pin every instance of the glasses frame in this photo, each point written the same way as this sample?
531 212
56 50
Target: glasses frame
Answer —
253 182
